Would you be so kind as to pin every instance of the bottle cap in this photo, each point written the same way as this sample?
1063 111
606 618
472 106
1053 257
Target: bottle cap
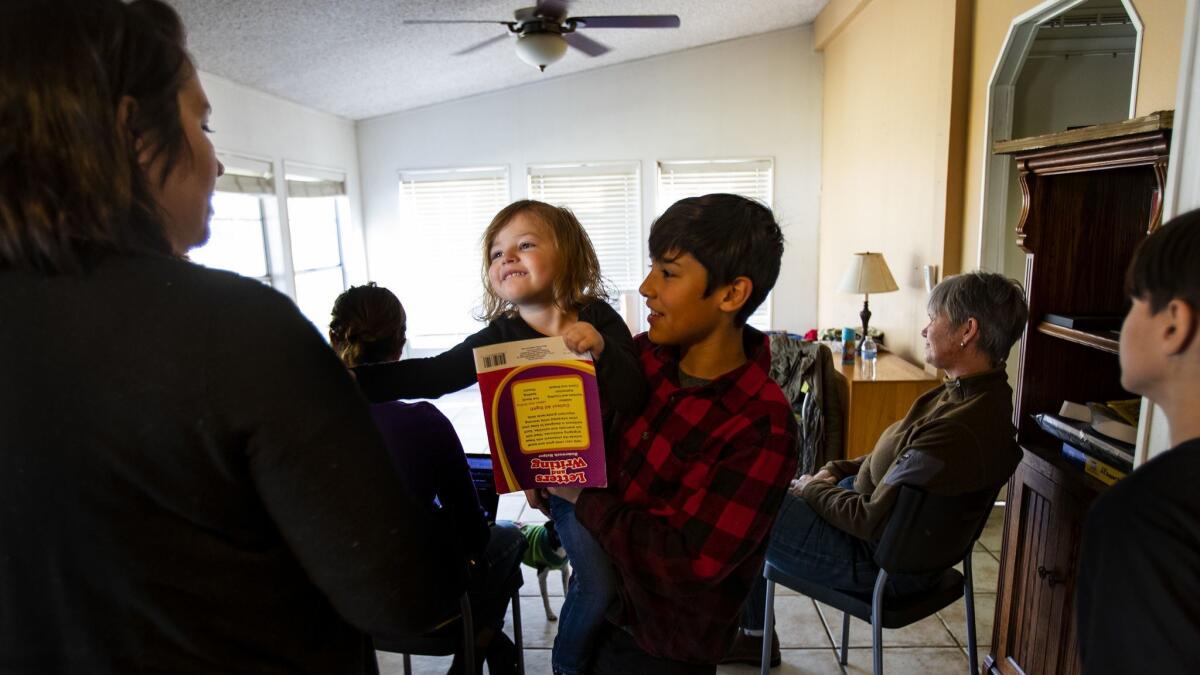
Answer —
847 334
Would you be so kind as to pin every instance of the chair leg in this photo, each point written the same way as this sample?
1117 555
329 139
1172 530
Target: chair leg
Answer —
468 622
520 643
969 599
877 622
768 629
845 658
407 665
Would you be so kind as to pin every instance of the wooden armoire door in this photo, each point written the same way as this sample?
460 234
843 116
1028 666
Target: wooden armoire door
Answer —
1035 628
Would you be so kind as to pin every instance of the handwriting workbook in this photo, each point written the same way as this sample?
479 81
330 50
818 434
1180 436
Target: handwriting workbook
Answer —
541 406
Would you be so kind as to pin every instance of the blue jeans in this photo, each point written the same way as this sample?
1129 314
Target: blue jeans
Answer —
618 654
592 589
805 545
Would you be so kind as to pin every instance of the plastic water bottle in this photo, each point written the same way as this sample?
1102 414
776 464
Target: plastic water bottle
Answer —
868 351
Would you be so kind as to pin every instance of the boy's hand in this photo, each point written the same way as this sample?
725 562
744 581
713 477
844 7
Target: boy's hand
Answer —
568 493
583 337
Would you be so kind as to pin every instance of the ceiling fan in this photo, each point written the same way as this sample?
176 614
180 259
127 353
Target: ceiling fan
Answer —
544 31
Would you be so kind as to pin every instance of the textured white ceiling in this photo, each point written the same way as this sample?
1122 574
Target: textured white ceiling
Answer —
355 58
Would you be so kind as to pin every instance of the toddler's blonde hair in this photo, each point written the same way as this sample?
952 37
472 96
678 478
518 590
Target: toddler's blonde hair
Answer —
577 279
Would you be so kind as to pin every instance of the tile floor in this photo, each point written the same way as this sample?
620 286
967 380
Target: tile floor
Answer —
808 631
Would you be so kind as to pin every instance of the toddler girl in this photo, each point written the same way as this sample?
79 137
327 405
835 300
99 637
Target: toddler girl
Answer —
541 278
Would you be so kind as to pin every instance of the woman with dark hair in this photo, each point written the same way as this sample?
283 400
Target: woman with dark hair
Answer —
191 482
368 325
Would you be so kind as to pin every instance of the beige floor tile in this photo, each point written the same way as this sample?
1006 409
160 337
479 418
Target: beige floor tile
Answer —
983 653
537 662
795 662
993 532
554 582
537 632
955 617
780 589
798 624
928 632
985 568
905 660
393 664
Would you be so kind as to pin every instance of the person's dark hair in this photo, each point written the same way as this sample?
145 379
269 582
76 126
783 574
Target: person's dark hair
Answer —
1166 265
70 177
997 303
577 279
367 325
730 235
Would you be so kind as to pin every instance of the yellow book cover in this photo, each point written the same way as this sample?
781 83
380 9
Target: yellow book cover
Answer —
542 408
1102 472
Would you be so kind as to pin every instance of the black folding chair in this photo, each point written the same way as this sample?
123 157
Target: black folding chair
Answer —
925 534
448 638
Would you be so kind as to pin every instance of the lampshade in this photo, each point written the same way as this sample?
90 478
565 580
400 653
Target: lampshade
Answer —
868 273
541 49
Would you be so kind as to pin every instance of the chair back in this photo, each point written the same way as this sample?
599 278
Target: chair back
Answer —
931 533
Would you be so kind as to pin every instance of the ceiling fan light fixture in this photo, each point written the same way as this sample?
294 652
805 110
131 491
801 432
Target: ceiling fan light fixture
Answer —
541 49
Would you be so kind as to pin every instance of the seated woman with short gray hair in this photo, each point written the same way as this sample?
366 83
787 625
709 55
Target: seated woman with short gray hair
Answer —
956 439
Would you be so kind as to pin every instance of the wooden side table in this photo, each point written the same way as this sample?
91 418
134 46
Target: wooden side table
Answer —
876 403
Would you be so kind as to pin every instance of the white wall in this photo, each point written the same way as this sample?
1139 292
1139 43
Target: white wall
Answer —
752 97
1056 93
255 124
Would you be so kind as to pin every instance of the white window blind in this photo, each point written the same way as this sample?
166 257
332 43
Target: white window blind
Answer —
237 231
752 178
244 175
442 216
317 209
608 202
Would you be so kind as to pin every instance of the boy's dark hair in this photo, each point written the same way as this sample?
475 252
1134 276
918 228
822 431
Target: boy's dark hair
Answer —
1166 265
730 235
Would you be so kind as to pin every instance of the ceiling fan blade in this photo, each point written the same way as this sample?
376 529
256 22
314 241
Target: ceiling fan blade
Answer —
552 9
637 21
416 21
585 44
486 43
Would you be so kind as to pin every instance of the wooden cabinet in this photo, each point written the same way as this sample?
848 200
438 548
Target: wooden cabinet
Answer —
875 403
1089 196
1037 581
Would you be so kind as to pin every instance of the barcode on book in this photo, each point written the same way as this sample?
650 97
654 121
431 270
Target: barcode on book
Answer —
494 360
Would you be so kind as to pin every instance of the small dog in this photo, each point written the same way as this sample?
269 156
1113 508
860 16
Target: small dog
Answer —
545 552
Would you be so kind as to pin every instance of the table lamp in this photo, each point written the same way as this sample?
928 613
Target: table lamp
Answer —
868 273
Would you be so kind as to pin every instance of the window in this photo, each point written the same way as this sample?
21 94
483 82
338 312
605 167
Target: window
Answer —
753 178
243 204
317 208
608 202
442 216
